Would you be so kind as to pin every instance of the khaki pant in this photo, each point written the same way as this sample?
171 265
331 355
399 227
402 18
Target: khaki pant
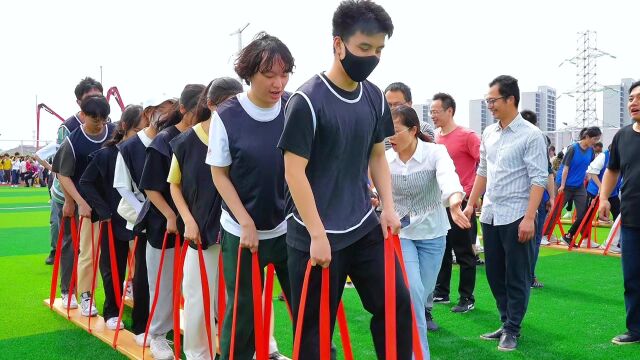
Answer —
87 254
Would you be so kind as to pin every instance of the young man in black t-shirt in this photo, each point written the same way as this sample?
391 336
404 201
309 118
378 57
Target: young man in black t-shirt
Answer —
335 126
623 162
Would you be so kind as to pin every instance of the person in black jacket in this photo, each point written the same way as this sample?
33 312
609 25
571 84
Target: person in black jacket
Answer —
161 216
199 205
97 185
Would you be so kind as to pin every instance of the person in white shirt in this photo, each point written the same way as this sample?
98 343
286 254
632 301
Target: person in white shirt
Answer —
424 182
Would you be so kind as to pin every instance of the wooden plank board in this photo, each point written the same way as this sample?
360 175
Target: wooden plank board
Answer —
126 340
585 250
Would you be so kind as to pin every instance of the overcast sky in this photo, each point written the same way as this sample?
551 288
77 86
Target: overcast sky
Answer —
148 48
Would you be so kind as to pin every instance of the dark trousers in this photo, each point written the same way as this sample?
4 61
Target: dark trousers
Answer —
363 261
67 256
461 241
121 247
270 251
15 177
508 267
140 311
630 238
579 197
542 216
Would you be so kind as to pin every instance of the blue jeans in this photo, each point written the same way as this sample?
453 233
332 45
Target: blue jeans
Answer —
542 215
630 239
422 259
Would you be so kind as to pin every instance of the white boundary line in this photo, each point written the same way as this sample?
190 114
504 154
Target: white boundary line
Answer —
26 207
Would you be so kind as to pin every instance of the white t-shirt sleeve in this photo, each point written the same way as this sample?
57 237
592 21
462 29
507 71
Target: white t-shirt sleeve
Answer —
597 164
47 151
121 176
218 153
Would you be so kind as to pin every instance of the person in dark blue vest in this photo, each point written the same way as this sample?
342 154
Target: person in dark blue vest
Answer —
623 161
199 205
128 171
97 184
595 172
576 161
85 88
248 171
70 162
335 127
161 216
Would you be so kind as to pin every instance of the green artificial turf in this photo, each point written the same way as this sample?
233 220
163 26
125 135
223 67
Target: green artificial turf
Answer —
574 316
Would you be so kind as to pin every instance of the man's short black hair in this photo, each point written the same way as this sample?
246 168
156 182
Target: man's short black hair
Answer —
446 100
261 54
598 144
96 107
507 86
365 16
530 116
85 85
634 85
402 87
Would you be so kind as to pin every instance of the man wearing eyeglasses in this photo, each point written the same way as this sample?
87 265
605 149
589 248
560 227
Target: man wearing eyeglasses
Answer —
463 145
512 175
399 93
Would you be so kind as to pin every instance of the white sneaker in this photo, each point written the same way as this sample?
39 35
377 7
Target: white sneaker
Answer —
160 348
84 304
544 241
112 324
594 245
614 249
65 301
140 339
567 215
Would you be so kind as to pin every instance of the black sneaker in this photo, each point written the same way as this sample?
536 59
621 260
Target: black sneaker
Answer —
508 342
50 259
277 356
431 324
536 284
441 299
464 305
567 238
492 336
626 339
479 262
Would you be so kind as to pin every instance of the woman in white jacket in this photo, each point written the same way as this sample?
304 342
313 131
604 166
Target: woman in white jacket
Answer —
424 183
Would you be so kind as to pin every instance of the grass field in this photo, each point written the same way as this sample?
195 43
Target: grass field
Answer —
574 317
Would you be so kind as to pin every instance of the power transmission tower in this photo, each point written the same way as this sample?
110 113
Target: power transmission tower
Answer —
587 85
239 34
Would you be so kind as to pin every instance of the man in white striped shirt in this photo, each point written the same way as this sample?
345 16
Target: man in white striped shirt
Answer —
512 175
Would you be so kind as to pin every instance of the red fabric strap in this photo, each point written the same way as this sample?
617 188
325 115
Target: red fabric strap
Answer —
156 294
56 265
130 262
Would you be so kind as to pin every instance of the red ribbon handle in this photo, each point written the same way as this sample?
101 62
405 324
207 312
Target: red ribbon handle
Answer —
206 297
130 262
156 294
392 244
75 235
56 265
95 260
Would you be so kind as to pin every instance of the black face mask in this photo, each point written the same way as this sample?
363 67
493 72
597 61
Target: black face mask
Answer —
358 67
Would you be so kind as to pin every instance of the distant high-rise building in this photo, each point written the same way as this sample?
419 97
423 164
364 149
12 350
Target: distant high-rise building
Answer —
543 103
479 116
614 107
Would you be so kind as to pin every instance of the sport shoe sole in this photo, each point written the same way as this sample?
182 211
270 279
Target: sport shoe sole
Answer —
505 349
463 310
617 342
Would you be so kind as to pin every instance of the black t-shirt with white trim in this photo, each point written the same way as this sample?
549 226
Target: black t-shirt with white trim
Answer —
335 130
625 148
